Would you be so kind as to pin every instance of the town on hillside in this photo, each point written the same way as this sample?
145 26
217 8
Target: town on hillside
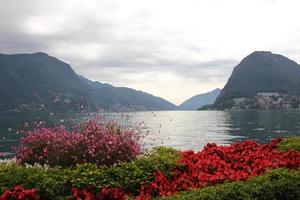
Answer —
268 101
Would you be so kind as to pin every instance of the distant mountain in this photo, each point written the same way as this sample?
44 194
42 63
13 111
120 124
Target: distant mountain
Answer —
259 72
39 81
131 97
200 100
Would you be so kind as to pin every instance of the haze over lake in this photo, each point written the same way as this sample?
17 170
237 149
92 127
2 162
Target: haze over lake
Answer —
180 129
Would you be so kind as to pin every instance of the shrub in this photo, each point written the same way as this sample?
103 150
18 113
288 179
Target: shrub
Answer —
51 183
277 185
91 142
57 183
216 164
129 175
289 143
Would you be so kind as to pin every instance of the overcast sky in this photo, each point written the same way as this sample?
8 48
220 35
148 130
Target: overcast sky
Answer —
170 48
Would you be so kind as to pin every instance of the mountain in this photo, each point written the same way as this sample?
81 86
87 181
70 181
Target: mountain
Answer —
39 81
131 97
200 100
260 72
94 84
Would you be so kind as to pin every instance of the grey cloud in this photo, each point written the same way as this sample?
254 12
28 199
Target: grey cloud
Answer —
121 53
201 71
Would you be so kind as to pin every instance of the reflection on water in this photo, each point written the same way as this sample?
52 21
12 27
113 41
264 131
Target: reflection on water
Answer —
193 129
180 129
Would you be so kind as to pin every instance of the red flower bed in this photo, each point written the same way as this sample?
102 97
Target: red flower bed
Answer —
104 194
19 193
215 164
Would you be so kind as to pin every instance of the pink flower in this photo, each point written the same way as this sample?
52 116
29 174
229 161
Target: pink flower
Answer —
94 141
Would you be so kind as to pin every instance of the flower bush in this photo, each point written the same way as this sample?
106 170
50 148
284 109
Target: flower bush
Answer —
277 184
19 193
217 164
102 143
103 194
165 172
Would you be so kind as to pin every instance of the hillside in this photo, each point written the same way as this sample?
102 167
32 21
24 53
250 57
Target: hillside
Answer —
132 99
41 82
200 100
260 72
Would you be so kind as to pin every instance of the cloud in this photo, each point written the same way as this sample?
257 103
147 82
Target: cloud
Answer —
171 48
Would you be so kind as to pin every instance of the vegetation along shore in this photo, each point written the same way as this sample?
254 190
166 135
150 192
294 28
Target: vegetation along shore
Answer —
103 160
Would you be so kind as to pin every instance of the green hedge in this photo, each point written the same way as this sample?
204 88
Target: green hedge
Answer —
279 184
128 175
289 143
56 183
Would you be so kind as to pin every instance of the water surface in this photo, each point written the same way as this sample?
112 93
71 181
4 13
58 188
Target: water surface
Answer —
179 129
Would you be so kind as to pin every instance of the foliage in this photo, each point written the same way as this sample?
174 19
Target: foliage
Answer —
91 142
217 164
51 183
277 184
127 175
19 193
56 183
289 143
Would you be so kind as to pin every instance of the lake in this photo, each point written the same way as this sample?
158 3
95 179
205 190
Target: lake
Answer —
179 129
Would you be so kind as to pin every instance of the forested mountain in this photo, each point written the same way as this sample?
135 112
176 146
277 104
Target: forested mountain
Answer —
39 81
260 72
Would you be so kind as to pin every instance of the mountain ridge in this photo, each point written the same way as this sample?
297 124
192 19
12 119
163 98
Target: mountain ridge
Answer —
261 71
40 81
197 101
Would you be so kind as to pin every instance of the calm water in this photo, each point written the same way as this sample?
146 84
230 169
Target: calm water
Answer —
180 129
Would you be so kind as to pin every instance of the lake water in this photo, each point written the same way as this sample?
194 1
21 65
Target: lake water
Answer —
179 129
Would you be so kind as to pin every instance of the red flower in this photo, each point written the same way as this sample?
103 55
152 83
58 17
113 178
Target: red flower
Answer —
104 194
19 193
215 164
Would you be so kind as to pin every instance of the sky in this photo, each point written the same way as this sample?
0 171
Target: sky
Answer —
174 49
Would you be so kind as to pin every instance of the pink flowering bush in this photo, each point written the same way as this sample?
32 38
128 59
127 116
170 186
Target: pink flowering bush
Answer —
94 141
